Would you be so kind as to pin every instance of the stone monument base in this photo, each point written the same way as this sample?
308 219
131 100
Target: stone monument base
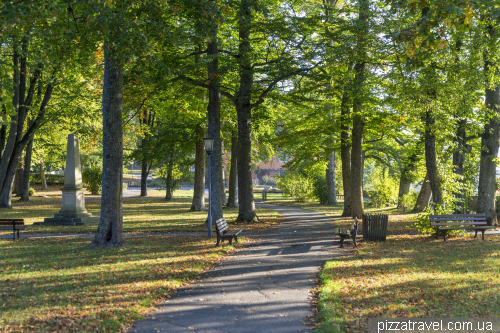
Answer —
73 210
70 219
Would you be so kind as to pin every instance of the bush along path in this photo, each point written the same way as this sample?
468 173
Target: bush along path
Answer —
263 288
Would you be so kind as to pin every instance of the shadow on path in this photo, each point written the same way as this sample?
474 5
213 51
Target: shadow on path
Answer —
262 288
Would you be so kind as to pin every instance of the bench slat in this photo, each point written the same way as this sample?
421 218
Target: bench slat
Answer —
458 219
466 228
460 215
10 228
454 223
10 223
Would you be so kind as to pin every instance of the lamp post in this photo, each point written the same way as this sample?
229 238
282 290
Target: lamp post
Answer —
209 145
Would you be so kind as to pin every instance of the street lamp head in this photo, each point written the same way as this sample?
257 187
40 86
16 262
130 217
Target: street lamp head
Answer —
209 144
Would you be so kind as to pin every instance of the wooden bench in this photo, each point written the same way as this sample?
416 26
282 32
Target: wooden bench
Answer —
224 233
445 223
14 225
344 233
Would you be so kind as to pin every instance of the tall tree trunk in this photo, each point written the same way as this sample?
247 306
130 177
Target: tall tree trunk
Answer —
489 140
18 180
424 196
357 110
458 164
3 133
244 110
22 101
170 181
357 165
199 173
330 180
42 177
213 110
222 189
110 230
11 140
345 152
431 158
405 181
25 183
144 177
233 172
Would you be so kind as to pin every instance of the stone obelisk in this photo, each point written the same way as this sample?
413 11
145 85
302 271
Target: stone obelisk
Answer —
73 210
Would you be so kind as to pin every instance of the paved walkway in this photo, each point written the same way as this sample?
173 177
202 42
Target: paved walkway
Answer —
263 288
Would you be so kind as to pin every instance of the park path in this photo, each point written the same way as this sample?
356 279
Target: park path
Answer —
263 288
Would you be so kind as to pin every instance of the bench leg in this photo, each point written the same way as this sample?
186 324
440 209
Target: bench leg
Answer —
14 235
218 240
341 241
445 232
18 234
476 234
231 241
483 233
437 234
236 239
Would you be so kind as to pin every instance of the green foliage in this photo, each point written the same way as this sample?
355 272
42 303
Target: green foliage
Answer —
31 191
268 180
320 191
92 176
179 175
296 185
51 179
385 190
423 223
408 201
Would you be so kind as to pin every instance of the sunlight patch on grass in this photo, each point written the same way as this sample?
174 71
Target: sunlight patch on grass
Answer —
411 276
63 285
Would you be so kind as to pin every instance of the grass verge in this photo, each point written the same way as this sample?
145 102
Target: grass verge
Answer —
399 222
410 276
143 215
61 285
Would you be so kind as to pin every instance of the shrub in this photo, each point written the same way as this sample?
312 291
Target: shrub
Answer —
31 191
295 185
92 177
408 200
320 189
385 192
423 223
268 180
51 179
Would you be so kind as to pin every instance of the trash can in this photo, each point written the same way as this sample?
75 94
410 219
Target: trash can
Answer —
375 227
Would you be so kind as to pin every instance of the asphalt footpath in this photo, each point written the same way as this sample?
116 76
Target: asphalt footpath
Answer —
262 288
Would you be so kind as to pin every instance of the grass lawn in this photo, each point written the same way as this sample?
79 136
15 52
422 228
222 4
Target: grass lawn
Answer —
399 222
149 214
410 276
61 285
52 194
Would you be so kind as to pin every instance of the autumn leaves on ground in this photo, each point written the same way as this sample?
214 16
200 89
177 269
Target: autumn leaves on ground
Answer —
61 285
409 275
